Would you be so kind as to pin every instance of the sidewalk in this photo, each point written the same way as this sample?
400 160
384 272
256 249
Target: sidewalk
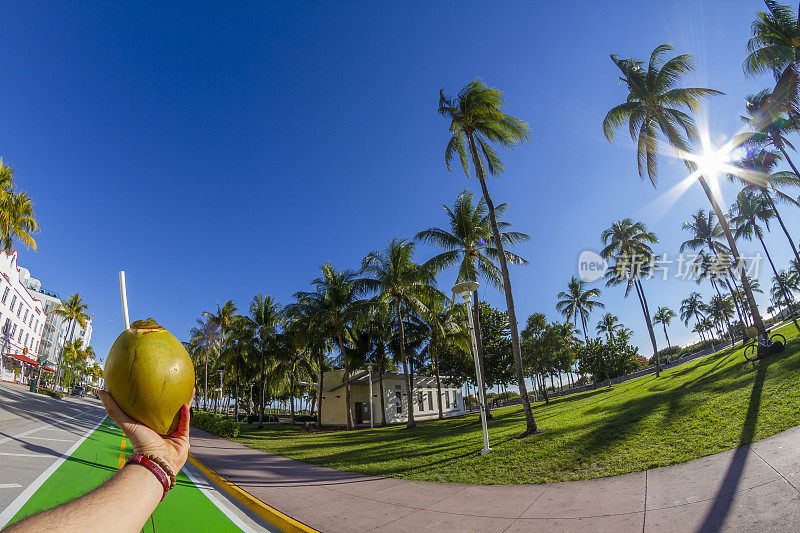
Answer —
751 488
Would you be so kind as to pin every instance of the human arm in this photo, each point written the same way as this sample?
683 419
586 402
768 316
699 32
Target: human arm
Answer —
126 501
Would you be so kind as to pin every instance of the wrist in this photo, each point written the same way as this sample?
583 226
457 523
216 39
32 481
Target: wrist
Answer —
158 469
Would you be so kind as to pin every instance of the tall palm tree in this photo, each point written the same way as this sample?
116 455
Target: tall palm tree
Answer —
238 353
333 306
720 308
476 124
747 212
468 243
73 310
755 172
223 320
664 316
608 325
627 243
398 281
266 314
783 286
705 232
775 47
692 307
17 216
575 303
654 107
204 337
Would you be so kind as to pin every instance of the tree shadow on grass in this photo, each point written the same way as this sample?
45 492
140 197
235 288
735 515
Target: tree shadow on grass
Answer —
724 498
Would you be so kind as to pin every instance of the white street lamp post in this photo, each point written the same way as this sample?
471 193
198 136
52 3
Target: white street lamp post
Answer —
221 373
466 289
371 418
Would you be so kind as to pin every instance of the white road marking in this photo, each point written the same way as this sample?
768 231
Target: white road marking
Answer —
55 440
10 486
204 488
8 454
9 512
24 434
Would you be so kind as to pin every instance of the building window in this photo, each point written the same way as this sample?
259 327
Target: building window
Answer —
25 318
7 326
19 338
447 399
19 309
430 401
13 302
420 401
26 338
5 295
455 400
398 402
13 330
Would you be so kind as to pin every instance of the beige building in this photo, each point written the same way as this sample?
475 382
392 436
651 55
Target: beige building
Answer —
426 405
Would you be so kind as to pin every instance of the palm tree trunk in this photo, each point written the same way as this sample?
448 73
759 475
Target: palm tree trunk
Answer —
476 314
409 388
262 381
646 311
319 388
205 385
438 383
291 393
665 334
236 401
61 355
735 302
780 283
748 291
381 359
783 226
346 365
512 313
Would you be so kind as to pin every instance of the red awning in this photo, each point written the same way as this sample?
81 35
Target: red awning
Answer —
23 358
49 369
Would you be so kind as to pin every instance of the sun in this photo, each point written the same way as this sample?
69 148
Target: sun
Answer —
711 162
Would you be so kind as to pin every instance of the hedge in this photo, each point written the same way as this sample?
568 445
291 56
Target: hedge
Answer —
221 427
50 393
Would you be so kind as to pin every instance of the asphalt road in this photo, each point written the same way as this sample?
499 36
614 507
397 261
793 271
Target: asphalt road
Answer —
35 430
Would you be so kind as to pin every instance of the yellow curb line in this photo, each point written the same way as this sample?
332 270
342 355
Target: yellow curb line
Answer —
285 523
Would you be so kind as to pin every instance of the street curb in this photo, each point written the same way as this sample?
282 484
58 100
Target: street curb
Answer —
285 523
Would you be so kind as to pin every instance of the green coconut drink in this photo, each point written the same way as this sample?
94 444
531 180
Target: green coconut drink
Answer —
150 375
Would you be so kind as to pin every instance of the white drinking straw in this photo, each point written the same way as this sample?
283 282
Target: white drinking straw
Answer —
124 296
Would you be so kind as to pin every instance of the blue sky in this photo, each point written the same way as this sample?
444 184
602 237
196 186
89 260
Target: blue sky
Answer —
213 154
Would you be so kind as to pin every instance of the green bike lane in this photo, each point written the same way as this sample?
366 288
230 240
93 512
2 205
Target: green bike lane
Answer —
185 508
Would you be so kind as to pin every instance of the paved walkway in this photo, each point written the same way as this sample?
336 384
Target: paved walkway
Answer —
752 488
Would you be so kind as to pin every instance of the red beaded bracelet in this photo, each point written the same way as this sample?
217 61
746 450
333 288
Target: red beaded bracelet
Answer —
155 469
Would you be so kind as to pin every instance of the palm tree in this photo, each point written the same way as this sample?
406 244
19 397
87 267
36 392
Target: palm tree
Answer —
476 123
293 358
204 337
223 320
17 217
576 303
707 233
608 325
628 244
400 282
783 285
775 47
266 314
747 212
664 316
73 309
333 307
755 172
692 307
468 244
654 105
720 309
443 325
238 353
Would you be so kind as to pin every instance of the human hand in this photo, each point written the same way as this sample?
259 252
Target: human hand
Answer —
172 448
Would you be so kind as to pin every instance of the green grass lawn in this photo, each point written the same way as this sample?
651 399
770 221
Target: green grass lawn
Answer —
697 409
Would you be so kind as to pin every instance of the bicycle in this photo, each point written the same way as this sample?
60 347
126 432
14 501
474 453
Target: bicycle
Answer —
775 344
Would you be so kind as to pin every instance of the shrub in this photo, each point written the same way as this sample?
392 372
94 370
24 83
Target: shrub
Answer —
51 393
209 423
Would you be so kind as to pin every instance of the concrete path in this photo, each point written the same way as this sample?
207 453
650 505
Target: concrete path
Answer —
752 488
